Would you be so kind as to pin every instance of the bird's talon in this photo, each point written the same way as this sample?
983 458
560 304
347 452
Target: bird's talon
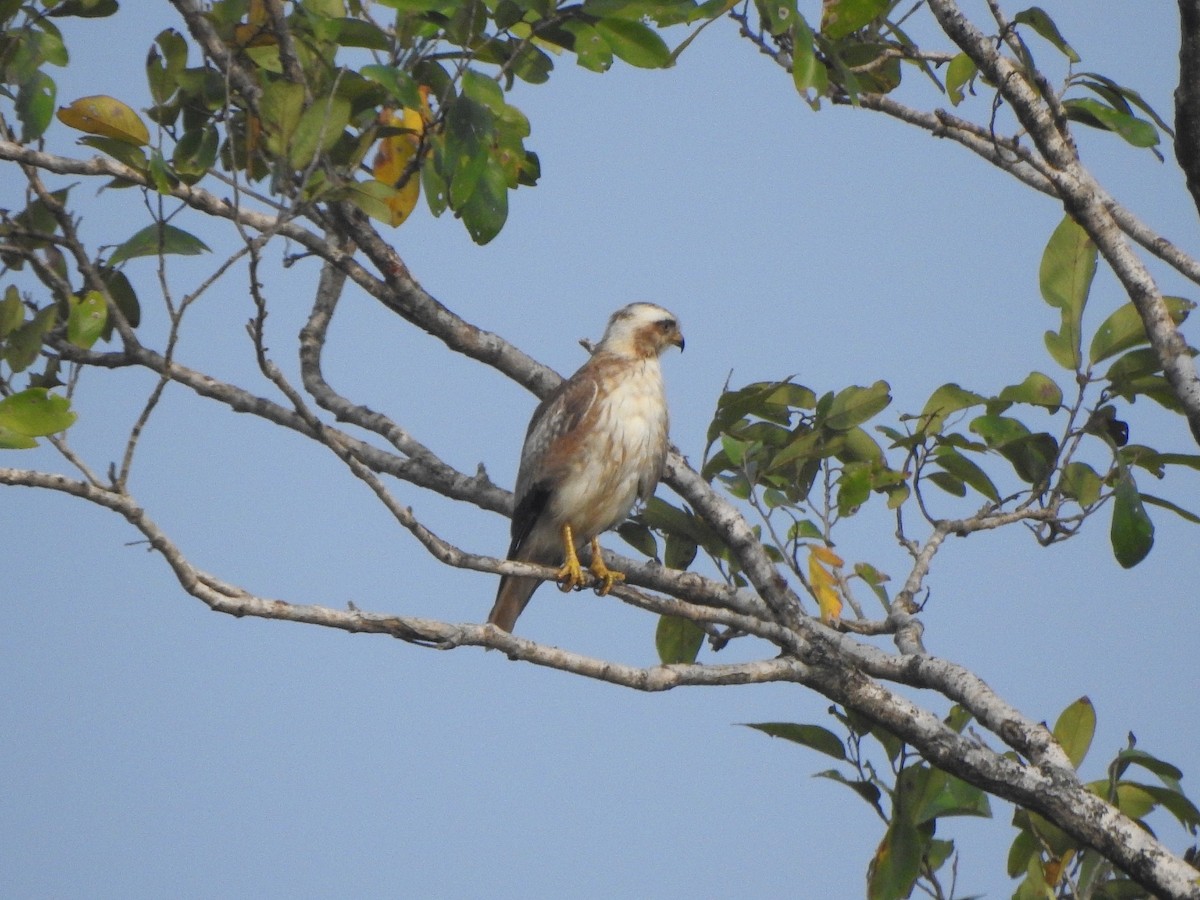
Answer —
570 577
605 577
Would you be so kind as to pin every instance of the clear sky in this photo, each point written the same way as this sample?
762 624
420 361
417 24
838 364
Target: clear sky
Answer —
153 749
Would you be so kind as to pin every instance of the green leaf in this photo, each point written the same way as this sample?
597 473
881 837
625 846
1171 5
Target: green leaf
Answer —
87 319
195 153
854 405
123 296
35 412
12 440
1036 18
1081 483
1120 97
872 67
873 578
734 449
1024 846
155 239
121 151
680 551
12 311
1132 532
854 487
469 130
1075 728
1036 390
25 343
959 72
677 640
1176 804
814 737
947 399
371 196
281 107
1173 507
951 484
1169 774
160 175
532 64
1033 456
840 18
486 210
858 446
897 862
998 430
361 33
966 471
1124 329
805 529
946 795
165 63
1135 131
865 789
85 9
591 50
807 71
398 83
1065 278
639 537
778 16
1133 800
1133 365
317 130
637 44
35 106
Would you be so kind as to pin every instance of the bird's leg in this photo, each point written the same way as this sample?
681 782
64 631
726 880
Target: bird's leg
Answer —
606 576
570 576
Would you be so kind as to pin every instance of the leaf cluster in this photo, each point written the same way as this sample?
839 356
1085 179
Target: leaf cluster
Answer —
321 89
1029 451
910 796
1052 864
860 47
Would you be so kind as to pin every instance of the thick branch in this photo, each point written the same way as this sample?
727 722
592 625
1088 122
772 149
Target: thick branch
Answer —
1054 792
1084 200
1187 97
398 290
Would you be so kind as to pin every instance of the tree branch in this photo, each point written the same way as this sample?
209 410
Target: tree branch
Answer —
1084 200
1187 97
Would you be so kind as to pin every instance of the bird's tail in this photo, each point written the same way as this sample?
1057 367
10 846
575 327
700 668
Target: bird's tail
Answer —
511 600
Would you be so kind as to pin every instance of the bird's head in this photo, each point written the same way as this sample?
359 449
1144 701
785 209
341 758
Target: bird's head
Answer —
641 330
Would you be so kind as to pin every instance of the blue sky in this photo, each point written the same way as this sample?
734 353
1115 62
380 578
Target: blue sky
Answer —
155 749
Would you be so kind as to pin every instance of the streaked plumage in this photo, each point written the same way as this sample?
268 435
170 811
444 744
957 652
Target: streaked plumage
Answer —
593 448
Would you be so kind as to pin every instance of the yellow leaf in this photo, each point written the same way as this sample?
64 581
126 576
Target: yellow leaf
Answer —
395 161
824 585
1052 869
825 555
251 34
106 117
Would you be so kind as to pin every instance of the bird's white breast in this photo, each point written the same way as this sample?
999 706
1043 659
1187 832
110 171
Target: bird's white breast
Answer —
621 455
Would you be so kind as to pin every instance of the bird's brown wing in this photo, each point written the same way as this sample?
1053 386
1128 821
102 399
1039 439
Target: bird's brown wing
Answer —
552 432
547 440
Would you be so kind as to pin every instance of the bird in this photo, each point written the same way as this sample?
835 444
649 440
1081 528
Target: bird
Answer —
595 446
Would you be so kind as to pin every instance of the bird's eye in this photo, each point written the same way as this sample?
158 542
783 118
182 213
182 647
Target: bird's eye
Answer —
666 325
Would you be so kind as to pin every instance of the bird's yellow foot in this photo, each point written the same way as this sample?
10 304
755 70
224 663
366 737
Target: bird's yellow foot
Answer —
570 576
604 575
